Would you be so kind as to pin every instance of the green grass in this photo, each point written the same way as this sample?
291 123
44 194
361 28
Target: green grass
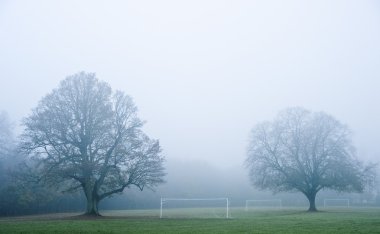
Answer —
260 221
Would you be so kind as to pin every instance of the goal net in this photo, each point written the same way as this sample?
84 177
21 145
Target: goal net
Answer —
263 204
194 208
337 203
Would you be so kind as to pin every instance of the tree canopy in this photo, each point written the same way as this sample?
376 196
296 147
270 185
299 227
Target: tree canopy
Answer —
85 136
306 152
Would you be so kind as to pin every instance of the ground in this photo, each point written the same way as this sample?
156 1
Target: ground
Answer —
358 220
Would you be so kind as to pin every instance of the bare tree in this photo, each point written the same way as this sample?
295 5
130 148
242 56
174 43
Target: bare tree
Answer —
306 152
86 137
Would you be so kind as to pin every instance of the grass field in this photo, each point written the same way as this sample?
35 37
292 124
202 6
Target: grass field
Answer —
359 220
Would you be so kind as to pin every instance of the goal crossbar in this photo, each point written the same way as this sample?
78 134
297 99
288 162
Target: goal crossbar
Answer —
163 200
193 199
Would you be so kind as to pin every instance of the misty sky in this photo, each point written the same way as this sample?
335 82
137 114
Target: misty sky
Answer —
202 73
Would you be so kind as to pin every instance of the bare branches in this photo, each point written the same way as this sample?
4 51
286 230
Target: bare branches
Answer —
303 151
83 133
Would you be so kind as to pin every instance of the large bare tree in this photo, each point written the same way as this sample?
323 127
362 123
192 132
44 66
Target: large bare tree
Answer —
84 136
306 152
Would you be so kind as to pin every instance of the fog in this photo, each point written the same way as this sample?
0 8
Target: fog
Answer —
202 73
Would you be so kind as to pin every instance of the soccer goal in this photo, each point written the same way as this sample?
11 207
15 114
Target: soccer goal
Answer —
337 203
263 204
194 208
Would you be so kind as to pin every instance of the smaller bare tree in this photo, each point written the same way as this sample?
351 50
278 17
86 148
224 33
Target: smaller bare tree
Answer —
306 152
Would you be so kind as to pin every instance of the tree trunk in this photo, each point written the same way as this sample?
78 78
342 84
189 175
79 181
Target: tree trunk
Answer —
311 197
92 207
92 202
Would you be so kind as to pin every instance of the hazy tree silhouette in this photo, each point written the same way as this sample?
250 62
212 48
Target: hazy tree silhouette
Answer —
84 136
306 152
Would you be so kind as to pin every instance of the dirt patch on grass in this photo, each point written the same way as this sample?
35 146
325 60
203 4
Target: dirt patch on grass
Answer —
70 216
52 216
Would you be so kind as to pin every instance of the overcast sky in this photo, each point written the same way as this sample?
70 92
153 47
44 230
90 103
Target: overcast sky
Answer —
202 73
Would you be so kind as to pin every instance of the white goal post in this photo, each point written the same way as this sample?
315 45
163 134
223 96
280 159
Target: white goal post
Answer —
263 203
164 200
343 202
